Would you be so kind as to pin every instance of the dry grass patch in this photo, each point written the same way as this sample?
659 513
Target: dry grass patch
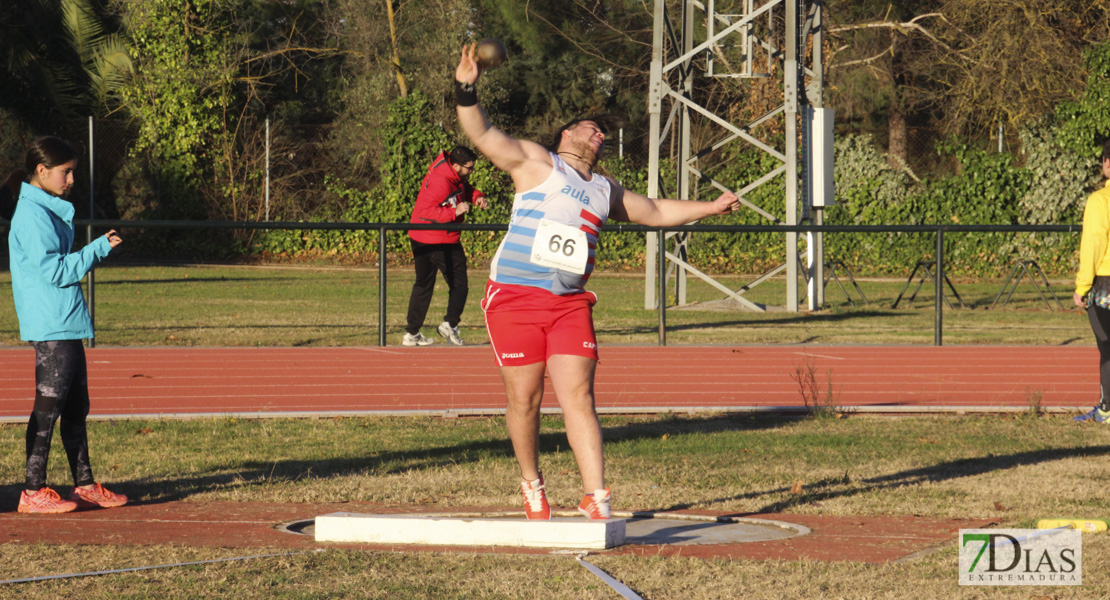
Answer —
425 575
932 577
1012 469
932 466
326 574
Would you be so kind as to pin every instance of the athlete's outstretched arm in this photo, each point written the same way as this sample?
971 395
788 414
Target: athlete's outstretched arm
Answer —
663 212
504 151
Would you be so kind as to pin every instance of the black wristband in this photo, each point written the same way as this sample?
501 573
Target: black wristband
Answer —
465 95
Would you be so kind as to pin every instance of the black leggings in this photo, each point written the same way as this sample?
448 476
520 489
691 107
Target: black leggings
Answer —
61 390
1100 324
449 259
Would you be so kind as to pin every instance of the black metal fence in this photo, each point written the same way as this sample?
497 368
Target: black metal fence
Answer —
938 231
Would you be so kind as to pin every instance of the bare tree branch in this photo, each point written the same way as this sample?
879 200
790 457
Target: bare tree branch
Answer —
904 28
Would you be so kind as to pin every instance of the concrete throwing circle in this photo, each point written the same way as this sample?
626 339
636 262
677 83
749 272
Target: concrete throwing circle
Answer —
645 528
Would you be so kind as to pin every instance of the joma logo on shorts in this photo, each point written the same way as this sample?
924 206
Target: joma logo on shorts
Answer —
589 345
512 355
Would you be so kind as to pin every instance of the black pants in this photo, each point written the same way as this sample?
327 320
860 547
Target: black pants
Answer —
1100 324
61 391
449 259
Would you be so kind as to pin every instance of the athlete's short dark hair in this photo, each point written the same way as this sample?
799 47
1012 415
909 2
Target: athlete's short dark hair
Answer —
602 122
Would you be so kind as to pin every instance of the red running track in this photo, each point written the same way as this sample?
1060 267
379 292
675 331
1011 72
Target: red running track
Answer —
156 381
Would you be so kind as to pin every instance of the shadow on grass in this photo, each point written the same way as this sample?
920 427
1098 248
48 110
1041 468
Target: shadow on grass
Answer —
100 282
769 319
189 327
243 474
248 473
676 425
946 471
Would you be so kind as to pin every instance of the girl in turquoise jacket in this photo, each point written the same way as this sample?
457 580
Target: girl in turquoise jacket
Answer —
53 317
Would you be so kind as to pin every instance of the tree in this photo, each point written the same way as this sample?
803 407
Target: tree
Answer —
1084 122
182 89
427 37
967 65
209 73
572 58
402 85
1010 62
60 63
870 73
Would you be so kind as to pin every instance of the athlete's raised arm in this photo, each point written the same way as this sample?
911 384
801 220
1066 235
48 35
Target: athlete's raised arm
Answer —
523 160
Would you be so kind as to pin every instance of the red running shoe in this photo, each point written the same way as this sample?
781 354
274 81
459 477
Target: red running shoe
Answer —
45 500
97 496
596 505
535 499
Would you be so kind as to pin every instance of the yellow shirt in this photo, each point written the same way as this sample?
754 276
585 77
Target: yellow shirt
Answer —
1093 258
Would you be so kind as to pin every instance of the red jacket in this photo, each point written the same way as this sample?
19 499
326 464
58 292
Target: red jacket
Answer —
440 193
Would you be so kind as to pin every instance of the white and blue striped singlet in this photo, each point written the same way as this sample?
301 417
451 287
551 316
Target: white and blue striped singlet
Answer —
567 199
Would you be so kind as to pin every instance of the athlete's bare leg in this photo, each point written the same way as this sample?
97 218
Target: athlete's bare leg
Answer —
524 388
572 378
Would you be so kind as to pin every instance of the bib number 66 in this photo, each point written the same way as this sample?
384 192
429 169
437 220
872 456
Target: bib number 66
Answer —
558 245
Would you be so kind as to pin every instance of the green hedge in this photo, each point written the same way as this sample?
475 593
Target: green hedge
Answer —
989 188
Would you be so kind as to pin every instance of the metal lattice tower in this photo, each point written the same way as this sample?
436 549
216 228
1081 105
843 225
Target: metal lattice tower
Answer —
744 40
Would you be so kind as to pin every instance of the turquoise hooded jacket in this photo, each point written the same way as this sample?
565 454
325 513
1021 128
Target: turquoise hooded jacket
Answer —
46 277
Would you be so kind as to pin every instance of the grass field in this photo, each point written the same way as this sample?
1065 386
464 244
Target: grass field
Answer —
1011 468
335 306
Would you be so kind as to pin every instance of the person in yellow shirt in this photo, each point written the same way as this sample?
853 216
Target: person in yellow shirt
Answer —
1092 284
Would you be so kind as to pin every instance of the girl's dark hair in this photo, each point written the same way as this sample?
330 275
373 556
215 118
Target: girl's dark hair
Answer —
48 151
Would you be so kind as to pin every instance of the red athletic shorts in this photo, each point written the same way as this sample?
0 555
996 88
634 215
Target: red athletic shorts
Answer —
527 324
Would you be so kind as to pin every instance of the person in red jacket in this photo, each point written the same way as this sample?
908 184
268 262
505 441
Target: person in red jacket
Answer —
445 197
